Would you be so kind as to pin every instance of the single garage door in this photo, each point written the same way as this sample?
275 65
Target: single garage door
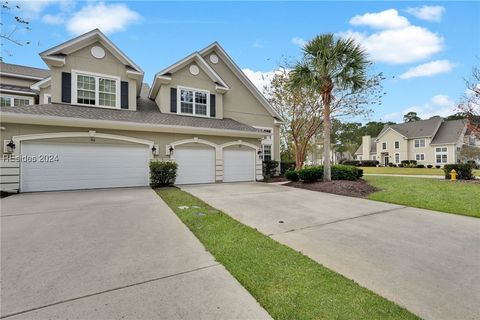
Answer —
195 165
83 166
238 164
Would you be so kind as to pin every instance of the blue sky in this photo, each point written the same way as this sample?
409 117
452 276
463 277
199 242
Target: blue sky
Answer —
429 47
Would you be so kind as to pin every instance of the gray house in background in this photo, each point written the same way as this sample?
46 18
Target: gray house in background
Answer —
430 142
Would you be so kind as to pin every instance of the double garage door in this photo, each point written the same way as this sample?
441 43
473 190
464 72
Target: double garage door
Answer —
197 164
62 166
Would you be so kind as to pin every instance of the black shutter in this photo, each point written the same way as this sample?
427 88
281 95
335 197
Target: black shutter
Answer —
173 100
124 95
66 87
212 105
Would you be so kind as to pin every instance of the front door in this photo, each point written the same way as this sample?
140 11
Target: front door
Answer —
387 160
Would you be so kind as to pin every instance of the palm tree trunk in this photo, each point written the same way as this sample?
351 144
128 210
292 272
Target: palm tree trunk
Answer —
327 171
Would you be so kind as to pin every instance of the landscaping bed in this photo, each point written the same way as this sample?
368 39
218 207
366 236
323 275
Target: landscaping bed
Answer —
275 179
358 188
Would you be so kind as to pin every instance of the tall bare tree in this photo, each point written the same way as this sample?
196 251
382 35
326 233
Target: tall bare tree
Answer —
470 104
11 23
336 69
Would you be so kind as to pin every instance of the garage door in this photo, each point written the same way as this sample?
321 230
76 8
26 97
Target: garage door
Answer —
83 166
195 165
238 164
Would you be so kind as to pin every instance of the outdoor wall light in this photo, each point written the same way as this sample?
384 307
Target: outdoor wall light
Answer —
171 149
154 149
10 146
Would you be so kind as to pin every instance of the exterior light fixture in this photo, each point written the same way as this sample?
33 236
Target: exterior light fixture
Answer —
154 149
259 153
171 149
10 146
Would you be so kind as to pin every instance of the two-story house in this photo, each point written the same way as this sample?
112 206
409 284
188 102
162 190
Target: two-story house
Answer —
97 125
430 142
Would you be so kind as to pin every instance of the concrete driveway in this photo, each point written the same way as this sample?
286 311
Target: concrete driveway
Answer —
426 261
110 254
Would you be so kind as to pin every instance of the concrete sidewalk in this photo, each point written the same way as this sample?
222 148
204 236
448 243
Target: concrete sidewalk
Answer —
423 260
110 254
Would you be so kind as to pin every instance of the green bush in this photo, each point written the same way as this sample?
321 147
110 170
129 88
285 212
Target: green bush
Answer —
286 166
367 163
162 173
464 171
420 166
429 166
343 172
351 163
438 166
409 163
291 175
311 174
269 168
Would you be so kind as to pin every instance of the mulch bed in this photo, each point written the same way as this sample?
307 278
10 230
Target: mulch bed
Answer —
275 179
359 188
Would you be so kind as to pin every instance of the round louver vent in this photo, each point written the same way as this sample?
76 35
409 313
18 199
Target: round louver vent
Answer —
98 52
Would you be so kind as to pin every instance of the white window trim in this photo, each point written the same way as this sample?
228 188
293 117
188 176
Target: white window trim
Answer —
441 153
420 147
14 96
395 143
395 158
420 154
179 102
386 146
46 96
268 141
75 73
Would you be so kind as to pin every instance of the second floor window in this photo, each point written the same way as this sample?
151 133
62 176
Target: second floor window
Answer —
95 90
193 102
397 144
419 143
14 101
384 146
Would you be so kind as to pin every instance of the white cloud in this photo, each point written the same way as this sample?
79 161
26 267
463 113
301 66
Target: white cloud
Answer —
259 78
108 18
428 69
439 105
428 13
34 9
53 19
388 19
299 41
397 46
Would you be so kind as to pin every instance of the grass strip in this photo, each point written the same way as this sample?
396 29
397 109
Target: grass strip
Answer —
286 283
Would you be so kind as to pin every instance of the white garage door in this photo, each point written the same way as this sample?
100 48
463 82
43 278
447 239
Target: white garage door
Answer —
195 165
83 166
238 164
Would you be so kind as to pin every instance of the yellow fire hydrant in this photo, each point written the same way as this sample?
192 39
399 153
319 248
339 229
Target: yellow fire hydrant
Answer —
453 175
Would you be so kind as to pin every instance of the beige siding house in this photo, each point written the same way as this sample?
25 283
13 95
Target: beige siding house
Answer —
429 142
93 123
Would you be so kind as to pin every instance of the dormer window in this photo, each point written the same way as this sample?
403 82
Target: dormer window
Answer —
96 90
194 102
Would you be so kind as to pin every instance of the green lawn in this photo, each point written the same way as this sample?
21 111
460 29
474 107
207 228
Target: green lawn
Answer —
408 171
443 195
286 283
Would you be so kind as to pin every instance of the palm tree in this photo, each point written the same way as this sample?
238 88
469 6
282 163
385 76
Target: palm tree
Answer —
329 64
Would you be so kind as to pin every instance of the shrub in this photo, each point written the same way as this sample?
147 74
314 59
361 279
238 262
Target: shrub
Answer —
464 171
391 164
400 165
409 163
420 166
286 166
269 168
367 163
343 172
473 164
351 163
437 166
162 173
429 166
291 175
311 174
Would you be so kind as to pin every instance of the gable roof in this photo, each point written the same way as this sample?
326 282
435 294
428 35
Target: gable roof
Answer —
415 129
450 132
166 73
243 78
19 71
59 51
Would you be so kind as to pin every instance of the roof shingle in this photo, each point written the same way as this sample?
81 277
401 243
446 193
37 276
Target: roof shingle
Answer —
23 70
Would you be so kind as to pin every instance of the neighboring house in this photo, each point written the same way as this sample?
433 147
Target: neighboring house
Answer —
16 82
429 142
98 125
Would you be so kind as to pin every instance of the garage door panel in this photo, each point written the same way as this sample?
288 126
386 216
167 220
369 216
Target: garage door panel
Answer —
84 166
238 165
195 165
